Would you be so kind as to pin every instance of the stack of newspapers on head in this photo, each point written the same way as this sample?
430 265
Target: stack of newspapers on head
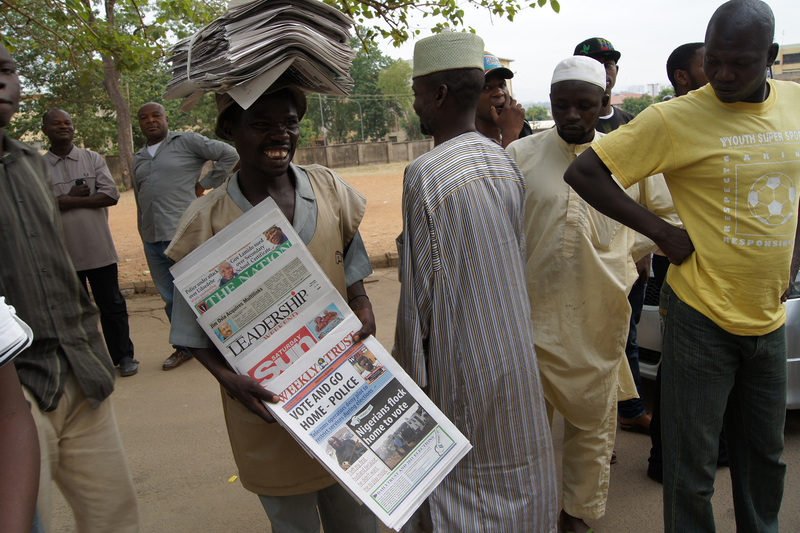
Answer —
254 42
15 335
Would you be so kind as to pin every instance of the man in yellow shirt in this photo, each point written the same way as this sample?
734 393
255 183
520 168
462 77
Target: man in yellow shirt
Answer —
730 153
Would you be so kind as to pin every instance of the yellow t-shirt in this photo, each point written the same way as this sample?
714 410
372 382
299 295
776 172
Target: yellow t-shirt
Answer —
732 170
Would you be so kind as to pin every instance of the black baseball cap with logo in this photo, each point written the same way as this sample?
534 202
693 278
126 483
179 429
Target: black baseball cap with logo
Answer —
597 47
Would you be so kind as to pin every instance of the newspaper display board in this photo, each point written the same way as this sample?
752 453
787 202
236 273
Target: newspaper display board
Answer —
274 315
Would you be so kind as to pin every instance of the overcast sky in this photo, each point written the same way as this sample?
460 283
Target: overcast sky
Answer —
645 32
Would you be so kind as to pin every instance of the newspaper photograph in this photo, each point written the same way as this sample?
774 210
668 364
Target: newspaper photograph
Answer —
273 314
259 295
354 408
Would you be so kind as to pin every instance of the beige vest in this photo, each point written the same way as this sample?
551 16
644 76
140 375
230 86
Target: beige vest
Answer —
269 460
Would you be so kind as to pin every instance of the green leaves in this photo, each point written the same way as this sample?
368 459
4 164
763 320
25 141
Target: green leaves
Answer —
78 48
393 14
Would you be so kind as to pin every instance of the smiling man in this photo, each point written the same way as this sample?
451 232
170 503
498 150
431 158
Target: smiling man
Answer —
573 252
166 178
84 190
729 154
295 490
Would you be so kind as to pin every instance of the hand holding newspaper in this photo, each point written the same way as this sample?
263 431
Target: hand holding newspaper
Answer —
275 316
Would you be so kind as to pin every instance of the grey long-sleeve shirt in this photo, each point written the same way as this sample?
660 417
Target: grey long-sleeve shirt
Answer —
164 184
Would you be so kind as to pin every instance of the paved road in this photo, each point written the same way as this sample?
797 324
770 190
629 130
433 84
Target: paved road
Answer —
177 446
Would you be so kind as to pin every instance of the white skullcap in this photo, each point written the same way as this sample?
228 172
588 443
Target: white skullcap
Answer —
447 51
580 68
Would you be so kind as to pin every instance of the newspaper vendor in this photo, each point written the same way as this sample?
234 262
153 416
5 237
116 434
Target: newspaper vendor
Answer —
326 212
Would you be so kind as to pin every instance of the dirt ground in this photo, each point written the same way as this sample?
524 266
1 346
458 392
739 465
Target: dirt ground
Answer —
381 184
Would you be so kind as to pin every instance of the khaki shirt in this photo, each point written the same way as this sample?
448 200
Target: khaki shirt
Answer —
269 460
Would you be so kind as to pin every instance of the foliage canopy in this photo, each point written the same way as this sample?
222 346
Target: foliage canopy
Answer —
100 59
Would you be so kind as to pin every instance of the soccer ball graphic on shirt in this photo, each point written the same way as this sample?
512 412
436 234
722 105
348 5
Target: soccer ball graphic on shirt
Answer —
771 198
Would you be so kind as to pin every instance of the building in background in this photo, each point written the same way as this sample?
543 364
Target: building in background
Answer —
787 65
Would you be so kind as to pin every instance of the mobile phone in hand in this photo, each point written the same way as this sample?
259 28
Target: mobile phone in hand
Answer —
80 181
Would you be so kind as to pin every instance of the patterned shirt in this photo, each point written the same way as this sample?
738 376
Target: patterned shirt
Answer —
464 332
40 282
164 183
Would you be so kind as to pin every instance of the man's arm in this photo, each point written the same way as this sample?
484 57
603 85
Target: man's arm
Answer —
655 197
81 196
592 180
224 156
359 302
19 456
185 331
510 121
795 266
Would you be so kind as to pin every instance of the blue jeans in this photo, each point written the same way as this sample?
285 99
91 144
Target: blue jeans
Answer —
162 278
634 408
711 378
333 506
37 526
159 270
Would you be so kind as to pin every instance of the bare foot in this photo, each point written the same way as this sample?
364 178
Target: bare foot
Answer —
571 524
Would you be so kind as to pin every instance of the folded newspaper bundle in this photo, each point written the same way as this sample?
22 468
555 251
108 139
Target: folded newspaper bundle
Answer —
15 335
349 404
254 42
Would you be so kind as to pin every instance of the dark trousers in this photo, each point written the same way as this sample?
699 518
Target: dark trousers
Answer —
660 266
710 378
634 407
113 311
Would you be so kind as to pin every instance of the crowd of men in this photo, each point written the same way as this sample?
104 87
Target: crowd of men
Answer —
575 209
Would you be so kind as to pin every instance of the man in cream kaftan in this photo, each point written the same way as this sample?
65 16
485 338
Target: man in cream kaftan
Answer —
580 268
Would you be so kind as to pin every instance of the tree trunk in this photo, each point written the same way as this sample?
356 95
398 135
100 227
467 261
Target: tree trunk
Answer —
111 77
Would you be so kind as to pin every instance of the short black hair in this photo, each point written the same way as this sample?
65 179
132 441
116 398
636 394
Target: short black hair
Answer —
464 85
47 117
232 113
681 59
741 14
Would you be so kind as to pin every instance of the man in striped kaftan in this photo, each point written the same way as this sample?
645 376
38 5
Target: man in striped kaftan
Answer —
463 326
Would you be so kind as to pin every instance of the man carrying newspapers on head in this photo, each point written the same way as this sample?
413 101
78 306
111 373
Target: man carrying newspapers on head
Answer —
295 490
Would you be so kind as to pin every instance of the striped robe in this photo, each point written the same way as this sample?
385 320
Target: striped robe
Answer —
464 332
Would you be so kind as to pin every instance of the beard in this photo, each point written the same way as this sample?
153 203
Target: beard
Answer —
427 125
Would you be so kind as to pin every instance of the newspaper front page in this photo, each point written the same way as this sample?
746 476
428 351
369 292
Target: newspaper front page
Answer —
275 316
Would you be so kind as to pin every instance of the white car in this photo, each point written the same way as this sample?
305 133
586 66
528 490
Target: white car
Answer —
649 339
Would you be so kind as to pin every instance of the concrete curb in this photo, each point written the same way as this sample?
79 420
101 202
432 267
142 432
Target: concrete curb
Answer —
133 288
387 260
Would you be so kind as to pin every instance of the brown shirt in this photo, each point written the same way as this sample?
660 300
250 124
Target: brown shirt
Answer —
38 279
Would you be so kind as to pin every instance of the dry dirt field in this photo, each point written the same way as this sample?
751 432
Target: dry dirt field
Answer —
381 184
